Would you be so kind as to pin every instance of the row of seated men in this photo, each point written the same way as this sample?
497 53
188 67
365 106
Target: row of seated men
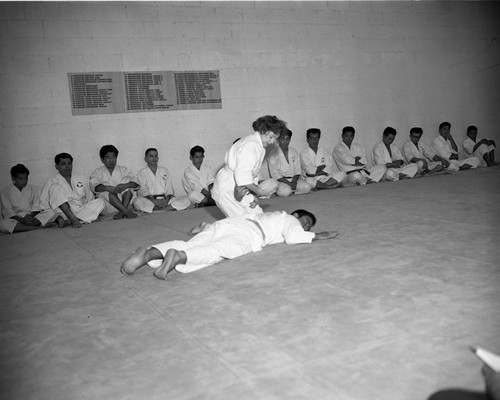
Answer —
69 198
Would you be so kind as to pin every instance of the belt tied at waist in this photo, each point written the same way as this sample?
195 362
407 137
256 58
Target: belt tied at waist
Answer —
258 226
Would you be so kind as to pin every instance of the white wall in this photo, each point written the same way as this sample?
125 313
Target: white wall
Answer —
326 65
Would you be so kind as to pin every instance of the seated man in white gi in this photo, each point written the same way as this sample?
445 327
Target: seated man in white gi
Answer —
317 164
228 238
484 149
419 153
69 194
351 158
21 204
445 147
114 183
157 191
198 179
385 153
284 166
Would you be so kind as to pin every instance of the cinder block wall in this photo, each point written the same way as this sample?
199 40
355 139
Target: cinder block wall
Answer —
313 64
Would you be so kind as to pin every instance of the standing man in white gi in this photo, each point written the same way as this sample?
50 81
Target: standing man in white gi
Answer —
445 147
21 204
241 170
156 190
419 153
198 179
385 153
228 238
484 150
114 183
284 166
69 194
351 158
317 164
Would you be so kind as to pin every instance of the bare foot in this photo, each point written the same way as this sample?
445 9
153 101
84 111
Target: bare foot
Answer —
172 258
118 215
134 262
61 222
130 215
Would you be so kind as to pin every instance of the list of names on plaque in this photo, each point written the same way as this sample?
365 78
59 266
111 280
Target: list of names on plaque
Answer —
118 92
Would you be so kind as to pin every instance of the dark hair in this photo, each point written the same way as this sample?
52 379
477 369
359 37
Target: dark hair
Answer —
196 149
301 213
287 132
416 130
108 148
389 131
471 128
269 123
310 131
145 153
346 129
443 124
18 169
60 156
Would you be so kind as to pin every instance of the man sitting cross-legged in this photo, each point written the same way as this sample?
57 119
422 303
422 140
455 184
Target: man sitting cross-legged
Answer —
228 238
69 194
21 204
114 183
483 149
317 164
415 151
351 158
284 166
385 153
446 148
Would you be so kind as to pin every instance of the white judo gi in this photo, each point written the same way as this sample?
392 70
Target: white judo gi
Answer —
345 158
157 185
381 156
279 168
242 164
443 148
19 203
195 180
101 176
310 161
79 197
424 151
234 237
468 145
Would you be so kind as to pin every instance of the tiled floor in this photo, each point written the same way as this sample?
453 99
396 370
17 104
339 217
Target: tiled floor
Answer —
385 312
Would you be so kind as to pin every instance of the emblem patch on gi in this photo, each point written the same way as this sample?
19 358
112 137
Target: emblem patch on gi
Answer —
79 184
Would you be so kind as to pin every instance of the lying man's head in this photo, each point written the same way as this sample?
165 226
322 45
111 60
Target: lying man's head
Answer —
306 219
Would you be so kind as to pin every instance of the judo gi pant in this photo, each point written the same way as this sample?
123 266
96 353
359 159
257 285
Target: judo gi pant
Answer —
339 176
392 174
228 238
456 164
8 225
361 177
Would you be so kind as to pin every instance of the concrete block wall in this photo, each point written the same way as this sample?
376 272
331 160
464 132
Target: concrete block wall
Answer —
313 64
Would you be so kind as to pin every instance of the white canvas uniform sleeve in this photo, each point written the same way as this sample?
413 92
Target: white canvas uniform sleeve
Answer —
379 154
468 146
293 233
441 147
427 151
308 161
191 181
396 154
246 161
142 180
359 151
343 156
169 185
410 151
96 178
272 161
